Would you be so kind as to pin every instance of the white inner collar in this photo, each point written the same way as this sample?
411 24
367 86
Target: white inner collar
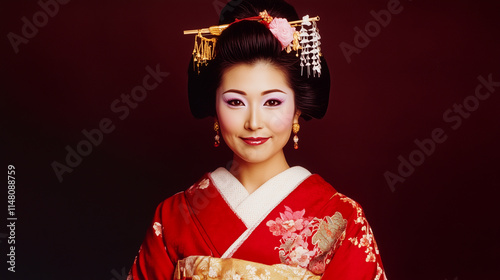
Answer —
253 208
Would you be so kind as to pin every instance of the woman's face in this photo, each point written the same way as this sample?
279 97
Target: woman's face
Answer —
256 109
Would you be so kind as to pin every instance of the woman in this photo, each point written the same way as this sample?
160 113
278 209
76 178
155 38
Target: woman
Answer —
261 219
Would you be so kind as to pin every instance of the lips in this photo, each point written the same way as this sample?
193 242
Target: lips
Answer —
255 141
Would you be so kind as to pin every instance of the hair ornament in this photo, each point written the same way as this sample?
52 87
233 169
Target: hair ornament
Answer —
311 52
204 50
306 40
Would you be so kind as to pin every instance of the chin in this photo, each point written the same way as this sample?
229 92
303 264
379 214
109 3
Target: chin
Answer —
252 159
256 157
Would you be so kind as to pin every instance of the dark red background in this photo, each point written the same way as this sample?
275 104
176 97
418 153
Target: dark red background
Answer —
441 223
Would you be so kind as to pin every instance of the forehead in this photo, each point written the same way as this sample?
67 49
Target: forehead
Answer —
256 77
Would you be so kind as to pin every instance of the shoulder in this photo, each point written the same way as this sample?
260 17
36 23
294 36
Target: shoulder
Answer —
177 203
333 200
316 186
345 202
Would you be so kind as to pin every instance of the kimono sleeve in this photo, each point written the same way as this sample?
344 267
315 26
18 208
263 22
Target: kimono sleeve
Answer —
358 257
152 260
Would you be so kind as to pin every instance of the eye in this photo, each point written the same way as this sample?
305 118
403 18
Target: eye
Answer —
272 103
235 102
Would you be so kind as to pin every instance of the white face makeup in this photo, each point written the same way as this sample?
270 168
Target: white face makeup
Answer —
256 109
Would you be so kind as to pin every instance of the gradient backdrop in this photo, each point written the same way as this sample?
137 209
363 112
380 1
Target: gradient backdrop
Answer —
64 71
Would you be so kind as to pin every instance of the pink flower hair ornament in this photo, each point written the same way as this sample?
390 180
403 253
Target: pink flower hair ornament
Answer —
280 27
282 30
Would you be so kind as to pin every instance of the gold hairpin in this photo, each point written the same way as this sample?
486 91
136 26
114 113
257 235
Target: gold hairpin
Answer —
217 29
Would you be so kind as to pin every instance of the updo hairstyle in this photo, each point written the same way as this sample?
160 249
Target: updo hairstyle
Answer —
249 42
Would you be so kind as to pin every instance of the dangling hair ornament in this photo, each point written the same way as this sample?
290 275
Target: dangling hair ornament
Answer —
309 43
307 40
204 50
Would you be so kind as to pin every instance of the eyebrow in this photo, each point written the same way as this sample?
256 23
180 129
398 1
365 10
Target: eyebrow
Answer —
263 93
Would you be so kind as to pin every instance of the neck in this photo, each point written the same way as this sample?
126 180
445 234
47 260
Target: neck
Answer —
253 175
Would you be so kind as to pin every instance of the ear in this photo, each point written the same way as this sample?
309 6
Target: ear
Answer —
296 116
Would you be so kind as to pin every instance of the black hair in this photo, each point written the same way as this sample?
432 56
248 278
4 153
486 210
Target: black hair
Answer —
248 42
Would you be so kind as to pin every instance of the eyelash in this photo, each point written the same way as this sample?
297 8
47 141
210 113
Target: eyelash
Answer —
234 102
269 103
276 101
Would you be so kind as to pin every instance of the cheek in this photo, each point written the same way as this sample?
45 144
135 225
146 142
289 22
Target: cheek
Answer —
228 120
281 120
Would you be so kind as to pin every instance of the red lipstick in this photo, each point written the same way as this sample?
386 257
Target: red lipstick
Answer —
254 141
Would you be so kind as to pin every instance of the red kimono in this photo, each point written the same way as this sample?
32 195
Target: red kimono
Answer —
295 226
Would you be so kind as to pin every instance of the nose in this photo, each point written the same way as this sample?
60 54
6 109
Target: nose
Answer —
254 120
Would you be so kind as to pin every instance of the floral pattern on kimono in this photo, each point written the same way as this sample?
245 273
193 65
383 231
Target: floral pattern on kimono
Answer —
367 241
307 242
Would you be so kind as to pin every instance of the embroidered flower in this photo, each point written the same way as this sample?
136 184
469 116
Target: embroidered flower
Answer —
288 223
276 227
282 30
354 240
158 228
366 240
380 271
212 272
293 221
231 275
370 257
300 256
252 270
203 184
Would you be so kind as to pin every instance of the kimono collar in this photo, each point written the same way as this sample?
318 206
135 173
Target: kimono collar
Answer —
253 208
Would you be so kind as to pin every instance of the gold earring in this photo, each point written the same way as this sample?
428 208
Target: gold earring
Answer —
295 129
217 137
